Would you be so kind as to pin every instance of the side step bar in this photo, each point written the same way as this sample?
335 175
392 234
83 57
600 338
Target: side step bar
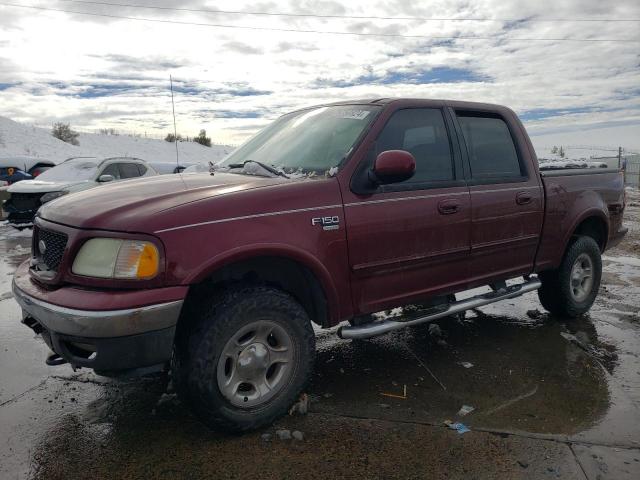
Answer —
374 329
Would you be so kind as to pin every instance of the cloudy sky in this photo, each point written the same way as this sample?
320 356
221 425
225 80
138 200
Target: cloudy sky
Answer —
234 72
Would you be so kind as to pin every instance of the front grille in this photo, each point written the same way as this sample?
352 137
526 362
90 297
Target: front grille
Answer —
54 242
23 202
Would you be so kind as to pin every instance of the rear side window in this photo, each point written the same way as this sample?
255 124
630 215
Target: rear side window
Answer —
492 153
421 132
129 170
142 169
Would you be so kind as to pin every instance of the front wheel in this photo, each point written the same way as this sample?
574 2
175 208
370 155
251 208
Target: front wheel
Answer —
250 355
571 290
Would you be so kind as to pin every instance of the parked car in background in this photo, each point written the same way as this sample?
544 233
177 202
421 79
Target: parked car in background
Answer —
170 167
199 168
72 175
14 169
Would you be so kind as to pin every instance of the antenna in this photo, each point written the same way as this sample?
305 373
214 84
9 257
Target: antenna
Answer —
175 131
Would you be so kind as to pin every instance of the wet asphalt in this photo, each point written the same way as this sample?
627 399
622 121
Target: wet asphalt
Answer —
551 398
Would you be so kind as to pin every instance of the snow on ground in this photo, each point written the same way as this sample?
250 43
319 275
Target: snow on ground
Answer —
17 139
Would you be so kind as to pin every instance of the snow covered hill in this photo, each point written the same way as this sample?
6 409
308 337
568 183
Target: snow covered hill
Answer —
24 140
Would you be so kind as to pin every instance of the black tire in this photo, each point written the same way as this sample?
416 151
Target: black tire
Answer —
556 292
214 324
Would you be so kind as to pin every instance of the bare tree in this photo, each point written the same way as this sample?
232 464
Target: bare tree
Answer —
63 131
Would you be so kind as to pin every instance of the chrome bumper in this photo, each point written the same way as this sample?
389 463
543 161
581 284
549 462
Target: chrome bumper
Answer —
99 324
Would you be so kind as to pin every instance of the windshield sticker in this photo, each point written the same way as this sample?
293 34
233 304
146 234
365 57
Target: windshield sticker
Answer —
354 114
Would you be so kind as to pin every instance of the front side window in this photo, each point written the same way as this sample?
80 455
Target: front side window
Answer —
492 153
421 132
112 170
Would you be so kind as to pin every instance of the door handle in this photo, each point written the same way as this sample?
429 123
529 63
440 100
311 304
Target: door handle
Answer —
447 207
523 198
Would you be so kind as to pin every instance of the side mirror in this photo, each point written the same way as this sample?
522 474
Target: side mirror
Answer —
105 178
393 166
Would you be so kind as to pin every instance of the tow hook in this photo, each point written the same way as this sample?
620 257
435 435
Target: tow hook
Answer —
54 359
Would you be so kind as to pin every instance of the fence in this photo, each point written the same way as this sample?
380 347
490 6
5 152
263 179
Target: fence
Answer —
632 172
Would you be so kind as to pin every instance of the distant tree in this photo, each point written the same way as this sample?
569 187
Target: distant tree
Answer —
108 131
554 149
172 138
202 138
561 152
63 131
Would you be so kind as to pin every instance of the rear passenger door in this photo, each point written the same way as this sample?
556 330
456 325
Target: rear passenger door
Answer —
506 196
409 239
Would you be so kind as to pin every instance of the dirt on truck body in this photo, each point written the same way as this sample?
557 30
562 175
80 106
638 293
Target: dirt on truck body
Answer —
329 214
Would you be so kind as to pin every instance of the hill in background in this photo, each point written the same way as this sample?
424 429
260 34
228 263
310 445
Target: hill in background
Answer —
17 139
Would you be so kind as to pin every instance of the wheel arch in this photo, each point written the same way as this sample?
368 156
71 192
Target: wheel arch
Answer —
295 271
592 223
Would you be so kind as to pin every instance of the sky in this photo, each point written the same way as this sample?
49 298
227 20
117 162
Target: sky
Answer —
233 75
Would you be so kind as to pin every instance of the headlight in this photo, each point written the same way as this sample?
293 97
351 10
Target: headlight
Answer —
115 258
47 197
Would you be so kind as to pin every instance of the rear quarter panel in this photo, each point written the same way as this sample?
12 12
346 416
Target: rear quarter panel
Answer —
569 200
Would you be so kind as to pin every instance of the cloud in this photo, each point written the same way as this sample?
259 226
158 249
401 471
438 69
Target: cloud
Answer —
105 72
242 48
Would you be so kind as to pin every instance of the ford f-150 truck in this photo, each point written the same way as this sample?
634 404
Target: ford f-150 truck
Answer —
328 215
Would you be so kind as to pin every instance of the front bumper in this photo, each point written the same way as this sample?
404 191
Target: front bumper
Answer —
108 341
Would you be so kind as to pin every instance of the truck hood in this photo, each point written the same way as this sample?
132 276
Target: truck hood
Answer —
41 186
128 205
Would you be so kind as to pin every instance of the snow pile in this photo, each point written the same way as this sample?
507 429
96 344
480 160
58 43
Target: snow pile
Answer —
554 164
17 139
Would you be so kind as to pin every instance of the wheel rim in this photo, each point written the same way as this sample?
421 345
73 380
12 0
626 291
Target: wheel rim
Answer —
581 277
255 364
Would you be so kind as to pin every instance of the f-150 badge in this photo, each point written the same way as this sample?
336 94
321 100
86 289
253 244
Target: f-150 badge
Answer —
328 223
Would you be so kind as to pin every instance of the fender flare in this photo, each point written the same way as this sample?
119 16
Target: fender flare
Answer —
289 252
590 213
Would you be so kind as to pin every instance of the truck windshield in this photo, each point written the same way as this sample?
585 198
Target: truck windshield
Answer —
309 142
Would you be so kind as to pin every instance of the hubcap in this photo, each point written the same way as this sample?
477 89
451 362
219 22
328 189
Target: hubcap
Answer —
255 364
581 277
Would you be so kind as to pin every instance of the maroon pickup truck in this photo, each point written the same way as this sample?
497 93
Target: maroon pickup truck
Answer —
329 214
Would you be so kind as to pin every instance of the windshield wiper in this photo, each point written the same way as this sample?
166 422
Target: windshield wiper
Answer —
268 168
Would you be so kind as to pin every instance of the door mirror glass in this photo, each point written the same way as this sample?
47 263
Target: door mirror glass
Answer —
106 178
393 166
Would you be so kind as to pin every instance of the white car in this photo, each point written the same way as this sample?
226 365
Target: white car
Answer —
72 175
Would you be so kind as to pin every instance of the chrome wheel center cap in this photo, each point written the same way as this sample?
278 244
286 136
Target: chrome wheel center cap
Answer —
253 360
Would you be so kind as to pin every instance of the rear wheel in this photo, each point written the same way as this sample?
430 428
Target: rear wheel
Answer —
571 289
247 358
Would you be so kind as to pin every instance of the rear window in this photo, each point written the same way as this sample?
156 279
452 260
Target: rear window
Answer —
492 153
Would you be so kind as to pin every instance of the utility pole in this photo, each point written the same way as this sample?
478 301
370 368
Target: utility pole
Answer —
619 158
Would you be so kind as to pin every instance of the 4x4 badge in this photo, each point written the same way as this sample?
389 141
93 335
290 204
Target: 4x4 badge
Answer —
328 223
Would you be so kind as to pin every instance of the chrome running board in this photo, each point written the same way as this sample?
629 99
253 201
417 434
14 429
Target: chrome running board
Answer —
374 329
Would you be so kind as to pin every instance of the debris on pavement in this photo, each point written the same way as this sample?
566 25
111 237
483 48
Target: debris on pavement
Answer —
423 365
283 434
534 314
457 426
301 406
465 410
435 330
393 395
466 364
